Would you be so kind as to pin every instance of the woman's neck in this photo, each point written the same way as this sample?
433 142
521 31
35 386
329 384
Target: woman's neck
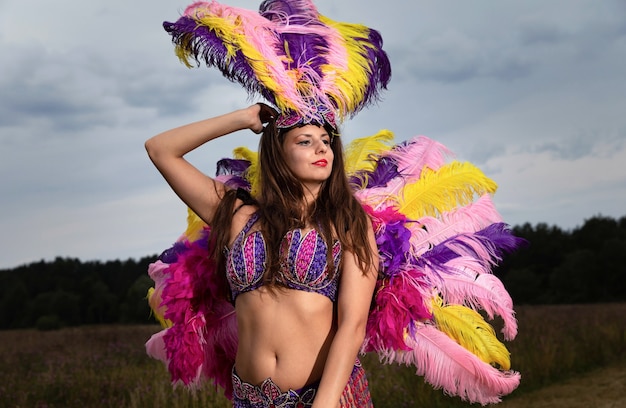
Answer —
311 192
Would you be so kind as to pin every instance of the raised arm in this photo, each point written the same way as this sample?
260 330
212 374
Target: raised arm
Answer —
200 192
355 295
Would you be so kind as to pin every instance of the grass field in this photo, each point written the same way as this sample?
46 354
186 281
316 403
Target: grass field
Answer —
106 366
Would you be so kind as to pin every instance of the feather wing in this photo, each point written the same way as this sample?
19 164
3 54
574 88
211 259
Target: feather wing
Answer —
455 236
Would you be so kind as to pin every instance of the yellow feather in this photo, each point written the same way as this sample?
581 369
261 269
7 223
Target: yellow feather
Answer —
455 184
353 79
154 300
359 153
252 175
468 328
195 225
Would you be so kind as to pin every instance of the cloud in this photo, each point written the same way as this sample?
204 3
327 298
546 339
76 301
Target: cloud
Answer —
540 32
453 57
41 87
587 144
543 188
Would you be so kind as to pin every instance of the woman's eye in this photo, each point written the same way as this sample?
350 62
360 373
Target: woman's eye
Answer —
326 142
303 142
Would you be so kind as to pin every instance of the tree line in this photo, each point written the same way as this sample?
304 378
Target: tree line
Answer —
584 265
68 292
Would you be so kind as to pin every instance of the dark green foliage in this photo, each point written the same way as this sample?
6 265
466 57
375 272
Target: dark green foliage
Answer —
48 322
67 292
585 265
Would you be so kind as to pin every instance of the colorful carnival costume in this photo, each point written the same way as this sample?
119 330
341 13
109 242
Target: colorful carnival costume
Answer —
437 231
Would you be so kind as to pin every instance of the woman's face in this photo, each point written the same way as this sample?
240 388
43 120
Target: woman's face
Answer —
308 155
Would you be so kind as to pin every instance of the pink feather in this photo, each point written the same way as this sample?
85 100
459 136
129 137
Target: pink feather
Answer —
445 364
418 153
380 198
480 291
155 346
431 231
158 273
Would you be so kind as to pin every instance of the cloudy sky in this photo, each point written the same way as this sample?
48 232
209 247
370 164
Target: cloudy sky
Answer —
533 92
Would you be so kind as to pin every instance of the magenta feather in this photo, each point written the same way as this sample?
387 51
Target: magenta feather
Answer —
392 239
400 302
220 346
184 349
202 341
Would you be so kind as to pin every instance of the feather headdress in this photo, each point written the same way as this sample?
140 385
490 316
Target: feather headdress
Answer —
311 68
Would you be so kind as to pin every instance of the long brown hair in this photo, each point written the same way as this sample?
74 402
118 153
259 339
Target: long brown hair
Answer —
335 212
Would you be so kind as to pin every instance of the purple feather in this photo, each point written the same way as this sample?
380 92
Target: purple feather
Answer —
386 170
393 246
232 167
487 246
502 238
232 172
380 68
305 48
203 44
171 254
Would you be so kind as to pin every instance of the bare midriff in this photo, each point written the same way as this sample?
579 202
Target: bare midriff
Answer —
284 335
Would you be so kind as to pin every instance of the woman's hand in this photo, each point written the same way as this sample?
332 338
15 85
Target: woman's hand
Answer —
262 114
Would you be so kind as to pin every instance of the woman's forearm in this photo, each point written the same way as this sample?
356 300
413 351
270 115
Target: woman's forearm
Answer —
181 140
339 365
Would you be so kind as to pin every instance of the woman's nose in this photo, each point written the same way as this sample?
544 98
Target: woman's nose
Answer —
322 146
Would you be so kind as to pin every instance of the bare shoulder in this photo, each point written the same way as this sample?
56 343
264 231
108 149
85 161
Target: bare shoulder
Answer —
241 216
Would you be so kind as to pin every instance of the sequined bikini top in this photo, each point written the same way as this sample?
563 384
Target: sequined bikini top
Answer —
303 263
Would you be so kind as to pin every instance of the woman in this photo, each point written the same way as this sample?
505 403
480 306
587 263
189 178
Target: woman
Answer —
300 258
